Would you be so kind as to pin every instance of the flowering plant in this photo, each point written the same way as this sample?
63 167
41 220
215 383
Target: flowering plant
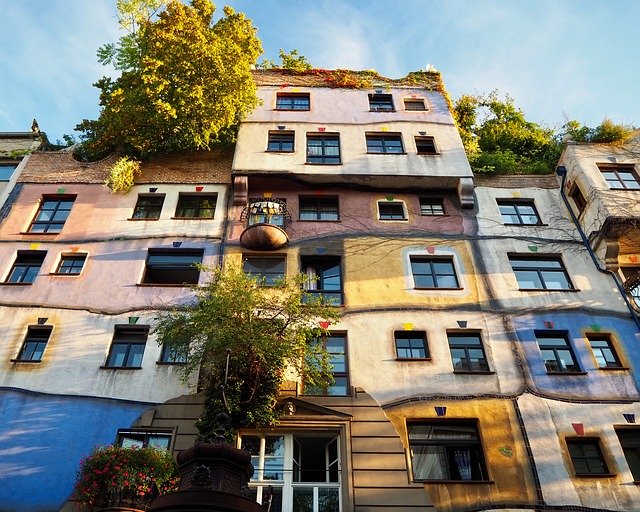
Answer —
132 477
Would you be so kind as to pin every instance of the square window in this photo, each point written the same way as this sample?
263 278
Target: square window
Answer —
578 198
148 206
323 149
268 271
557 352
127 347
297 101
604 351
34 343
71 264
411 344
173 266
381 102
431 206
433 272
52 214
323 278
143 439
6 171
26 266
540 273
172 356
280 142
196 206
620 176
630 442
426 146
319 208
586 457
384 144
467 352
336 347
518 212
391 210
446 450
414 104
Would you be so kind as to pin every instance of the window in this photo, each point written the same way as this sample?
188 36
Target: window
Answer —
71 264
630 441
323 278
319 208
286 101
52 214
603 351
6 171
148 206
411 345
620 176
467 352
127 347
381 102
26 266
414 104
266 211
303 470
172 266
433 272
377 143
34 344
446 450
336 347
391 210
557 353
268 271
280 141
578 198
426 146
196 206
172 356
540 273
323 149
521 212
143 439
431 206
586 457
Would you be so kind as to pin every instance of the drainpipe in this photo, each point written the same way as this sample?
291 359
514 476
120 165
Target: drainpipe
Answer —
562 172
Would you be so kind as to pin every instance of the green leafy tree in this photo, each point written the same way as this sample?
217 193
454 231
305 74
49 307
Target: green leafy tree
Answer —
266 332
292 61
606 132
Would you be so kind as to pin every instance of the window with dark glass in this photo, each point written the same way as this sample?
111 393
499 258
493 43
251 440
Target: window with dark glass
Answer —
586 457
620 176
557 352
518 212
467 352
411 344
431 206
336 347
34 343
295 101
6 171
196 206
172 266
323 278
630 441
148 206
323 149
388 143
446 450
319 208
281 141
391 210
144 439
578 198
604 351
381 102
127 347
173 355
268 271
71 264
426 146
414 104
544 273
433 272
52 214
26 266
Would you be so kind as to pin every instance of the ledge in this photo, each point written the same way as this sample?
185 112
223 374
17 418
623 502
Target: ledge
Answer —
192 218
614 368
566 373
146 219
121 367
419 288
318 220
16 284
411 359
387 154
29 361
598 475
547 290
526 225
166 285
448 482
167 363
38 234
472 372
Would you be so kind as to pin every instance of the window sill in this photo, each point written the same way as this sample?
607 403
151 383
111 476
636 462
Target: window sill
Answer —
192 218
63 275
318 163
318 220
38 233
382 153
121 367
281 151
393 220
549 290
429 154
454 481
437 289
526 225
473 372
410 359
435 215
614 368
292 109
28 361
145 218
16 284
383 110
597 475
566 373
166 285
167 363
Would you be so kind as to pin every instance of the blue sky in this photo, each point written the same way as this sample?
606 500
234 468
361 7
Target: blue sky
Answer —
556 58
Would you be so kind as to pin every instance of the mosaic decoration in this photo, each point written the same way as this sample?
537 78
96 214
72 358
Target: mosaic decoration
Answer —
42 320
629 417
177 244
440 410
548 324
407 327
34 246
153 189
595 327
579 428
506 451
61 190
462 324
199 188
533 248
133 320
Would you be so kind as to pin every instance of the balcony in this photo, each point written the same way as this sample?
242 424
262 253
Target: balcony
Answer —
265 225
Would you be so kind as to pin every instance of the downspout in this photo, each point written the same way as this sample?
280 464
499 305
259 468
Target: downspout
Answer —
562 172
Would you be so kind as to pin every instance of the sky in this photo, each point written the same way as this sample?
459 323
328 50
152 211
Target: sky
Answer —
558 59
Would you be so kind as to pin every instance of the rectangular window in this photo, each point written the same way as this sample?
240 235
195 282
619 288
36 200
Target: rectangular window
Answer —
433 272
196 206
540 273
6 171
467 352
336 347
518 212
297 101
34 343
323 149
148 206
172 356
71 264
446 450
388 144
578 198
323 278
143 439
280 141
391 210
172 266
127 347
431 206
381 102
557 352
620 176
586 457
426 146
411 344
414 104
630 441
604 351
319 208
52 214
26 266
266 211
268 271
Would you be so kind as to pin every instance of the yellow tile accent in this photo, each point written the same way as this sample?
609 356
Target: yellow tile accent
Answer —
267 194
384 129
516 194
408 327
33 247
